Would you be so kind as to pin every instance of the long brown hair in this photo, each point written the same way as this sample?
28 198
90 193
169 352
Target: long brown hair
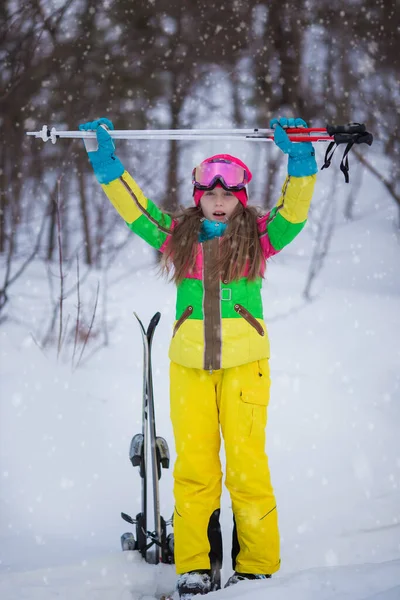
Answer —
240 247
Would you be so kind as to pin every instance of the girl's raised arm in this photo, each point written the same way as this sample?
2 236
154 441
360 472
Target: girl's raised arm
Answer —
285 221
141 215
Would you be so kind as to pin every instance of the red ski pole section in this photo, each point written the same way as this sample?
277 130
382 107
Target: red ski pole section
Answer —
306 130
298 134
310 138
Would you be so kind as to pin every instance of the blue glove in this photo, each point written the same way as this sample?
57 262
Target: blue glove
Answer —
106 165
301 161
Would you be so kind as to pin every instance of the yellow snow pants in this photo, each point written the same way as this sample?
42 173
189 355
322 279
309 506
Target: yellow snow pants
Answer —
234 400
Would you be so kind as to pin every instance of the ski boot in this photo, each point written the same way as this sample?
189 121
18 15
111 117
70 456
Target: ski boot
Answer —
236 577
194 583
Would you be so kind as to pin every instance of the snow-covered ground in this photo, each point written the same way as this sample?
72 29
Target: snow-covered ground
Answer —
332 438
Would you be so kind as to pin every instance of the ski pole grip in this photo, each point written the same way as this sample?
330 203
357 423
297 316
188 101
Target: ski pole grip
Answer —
363 137
349 128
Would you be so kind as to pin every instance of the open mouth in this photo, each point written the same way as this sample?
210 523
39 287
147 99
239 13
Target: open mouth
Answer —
219 214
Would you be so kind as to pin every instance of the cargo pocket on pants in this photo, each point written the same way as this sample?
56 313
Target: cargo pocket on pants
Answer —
254 394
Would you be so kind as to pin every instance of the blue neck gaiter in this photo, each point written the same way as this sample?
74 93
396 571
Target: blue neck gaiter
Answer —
211 229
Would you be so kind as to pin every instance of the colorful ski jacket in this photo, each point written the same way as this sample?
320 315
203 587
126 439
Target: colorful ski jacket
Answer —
218 324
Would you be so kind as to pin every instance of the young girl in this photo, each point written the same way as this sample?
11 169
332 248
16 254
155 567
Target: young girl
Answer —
219 376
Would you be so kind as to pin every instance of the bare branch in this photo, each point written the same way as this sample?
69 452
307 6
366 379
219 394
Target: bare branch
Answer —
90 327
10 279
60 263
78 310
389 185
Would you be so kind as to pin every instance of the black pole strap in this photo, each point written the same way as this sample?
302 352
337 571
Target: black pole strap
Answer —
152 535
350 134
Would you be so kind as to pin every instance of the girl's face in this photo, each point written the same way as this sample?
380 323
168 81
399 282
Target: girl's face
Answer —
218 204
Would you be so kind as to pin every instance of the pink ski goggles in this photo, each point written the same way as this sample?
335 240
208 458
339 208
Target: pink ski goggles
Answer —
232 176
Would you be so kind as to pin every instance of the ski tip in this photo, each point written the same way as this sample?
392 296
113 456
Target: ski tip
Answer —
155 319
153 324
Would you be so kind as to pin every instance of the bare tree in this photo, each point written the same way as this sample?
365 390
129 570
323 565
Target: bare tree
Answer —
391 186
16 266
321 225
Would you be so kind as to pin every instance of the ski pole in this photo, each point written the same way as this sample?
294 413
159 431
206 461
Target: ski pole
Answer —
301 134
350 134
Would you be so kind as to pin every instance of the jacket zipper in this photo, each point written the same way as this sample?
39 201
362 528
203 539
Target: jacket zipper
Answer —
211 308
247 316
186 314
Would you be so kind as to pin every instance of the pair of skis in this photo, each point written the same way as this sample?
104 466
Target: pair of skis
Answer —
150 453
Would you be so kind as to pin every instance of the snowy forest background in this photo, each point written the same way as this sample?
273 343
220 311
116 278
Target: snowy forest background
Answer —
178 64
71 274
